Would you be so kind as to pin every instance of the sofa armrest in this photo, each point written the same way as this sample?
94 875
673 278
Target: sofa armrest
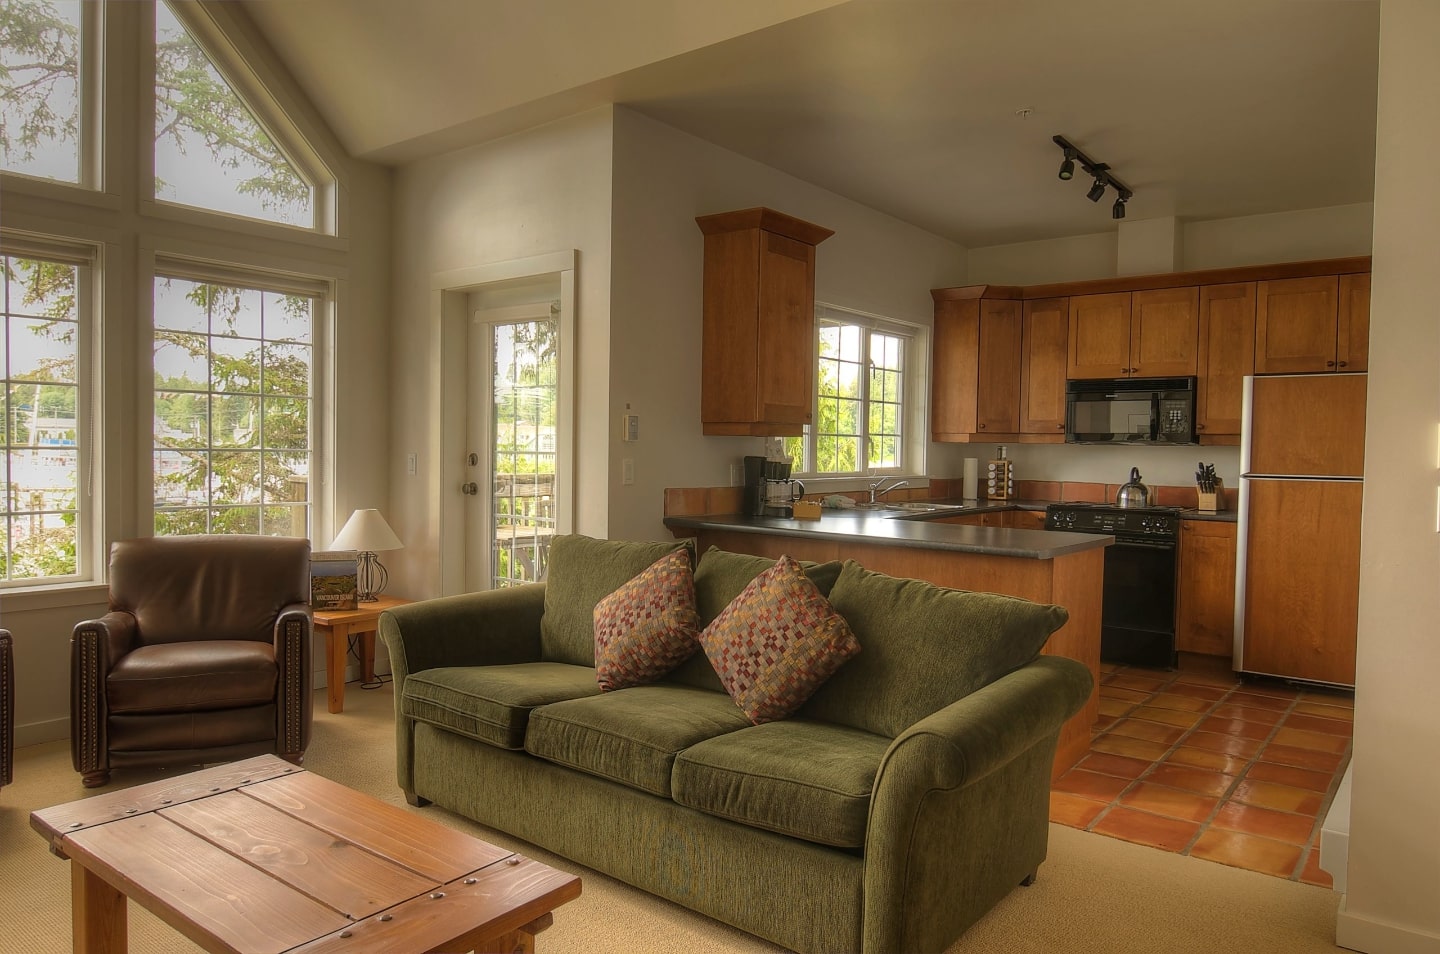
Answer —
960 811
489 628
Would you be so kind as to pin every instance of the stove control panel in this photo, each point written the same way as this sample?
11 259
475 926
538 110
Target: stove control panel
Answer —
1122 523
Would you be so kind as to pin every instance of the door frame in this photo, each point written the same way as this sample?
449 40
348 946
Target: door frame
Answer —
450 293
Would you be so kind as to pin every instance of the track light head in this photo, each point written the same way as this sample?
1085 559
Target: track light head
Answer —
1096 190
1117 211
1067 166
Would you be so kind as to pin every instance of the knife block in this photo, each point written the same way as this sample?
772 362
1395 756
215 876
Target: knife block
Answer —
1211 502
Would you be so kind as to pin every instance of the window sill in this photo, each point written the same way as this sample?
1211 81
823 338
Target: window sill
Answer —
40 597
817 484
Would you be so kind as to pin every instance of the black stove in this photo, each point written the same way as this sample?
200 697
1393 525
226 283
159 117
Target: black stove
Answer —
1137 615
1156 525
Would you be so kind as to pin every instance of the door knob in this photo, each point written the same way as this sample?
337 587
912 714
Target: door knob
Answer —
470 488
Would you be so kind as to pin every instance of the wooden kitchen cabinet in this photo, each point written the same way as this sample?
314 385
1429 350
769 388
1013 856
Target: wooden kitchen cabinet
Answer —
1099 336
1352 326
1205 588
1227 355
1152 333
1045 335
758 359
975 369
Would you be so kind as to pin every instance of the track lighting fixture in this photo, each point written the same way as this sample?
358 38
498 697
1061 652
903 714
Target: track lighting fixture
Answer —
1101 172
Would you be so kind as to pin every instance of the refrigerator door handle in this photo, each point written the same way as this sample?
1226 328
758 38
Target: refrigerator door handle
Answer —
1242 539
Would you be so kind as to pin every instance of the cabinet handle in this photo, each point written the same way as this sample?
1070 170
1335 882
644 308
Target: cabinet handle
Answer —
1199 427
982 427
1329 364
1344 364
1060 426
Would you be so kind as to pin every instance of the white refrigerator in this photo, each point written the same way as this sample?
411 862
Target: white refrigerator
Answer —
1297 573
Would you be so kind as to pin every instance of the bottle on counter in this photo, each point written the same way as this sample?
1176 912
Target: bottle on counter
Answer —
1000 476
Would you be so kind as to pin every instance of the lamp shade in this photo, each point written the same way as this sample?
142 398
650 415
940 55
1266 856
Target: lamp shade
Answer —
366 530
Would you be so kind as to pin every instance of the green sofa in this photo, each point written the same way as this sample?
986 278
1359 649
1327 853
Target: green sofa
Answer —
898 805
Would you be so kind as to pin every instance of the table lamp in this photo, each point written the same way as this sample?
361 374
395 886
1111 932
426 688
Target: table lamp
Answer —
366 532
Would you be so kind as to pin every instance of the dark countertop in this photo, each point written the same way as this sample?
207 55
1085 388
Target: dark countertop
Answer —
910 530
980 506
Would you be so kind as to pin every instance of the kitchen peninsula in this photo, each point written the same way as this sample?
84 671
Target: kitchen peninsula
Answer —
1043 566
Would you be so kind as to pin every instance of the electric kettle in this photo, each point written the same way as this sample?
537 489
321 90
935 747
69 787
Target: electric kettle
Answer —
1133 494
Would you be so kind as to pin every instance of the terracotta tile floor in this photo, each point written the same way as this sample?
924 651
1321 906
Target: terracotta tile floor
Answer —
1199 762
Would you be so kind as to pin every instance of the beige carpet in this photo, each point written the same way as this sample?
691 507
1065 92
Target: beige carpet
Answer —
1094 894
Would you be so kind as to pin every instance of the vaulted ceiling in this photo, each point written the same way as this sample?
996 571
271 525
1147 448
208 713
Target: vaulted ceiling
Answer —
938 112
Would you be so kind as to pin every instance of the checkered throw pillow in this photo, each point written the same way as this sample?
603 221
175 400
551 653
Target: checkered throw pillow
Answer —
777 642
648 626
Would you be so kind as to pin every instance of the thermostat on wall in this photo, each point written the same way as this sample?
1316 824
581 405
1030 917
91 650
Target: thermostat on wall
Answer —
631 431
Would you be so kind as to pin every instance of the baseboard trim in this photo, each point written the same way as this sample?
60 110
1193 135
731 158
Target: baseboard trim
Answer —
1359 933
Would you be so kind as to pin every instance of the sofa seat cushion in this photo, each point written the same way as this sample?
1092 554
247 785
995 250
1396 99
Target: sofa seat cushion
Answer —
809 780
492 703
192 676
631 735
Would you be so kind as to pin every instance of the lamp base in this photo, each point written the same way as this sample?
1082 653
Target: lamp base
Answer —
370 577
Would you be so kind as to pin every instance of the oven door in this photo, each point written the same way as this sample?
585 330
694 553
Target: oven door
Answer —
1137 619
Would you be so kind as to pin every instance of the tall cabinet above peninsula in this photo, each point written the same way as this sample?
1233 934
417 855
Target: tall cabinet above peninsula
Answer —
758 360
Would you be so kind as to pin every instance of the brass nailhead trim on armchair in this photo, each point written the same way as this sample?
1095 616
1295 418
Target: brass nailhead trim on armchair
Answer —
293 712
87 733
7 710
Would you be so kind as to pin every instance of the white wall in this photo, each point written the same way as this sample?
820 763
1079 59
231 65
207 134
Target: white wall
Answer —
541 191
1393 904
663 179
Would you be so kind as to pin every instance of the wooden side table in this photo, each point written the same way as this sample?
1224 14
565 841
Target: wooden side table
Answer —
337 625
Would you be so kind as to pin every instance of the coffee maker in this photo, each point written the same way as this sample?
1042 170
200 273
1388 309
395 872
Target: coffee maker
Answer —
769 491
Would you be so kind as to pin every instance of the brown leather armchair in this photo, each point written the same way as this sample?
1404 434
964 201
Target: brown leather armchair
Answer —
7 709
203 657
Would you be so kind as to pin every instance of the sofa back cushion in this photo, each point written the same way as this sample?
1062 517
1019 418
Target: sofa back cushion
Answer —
582 572
720 576
923 647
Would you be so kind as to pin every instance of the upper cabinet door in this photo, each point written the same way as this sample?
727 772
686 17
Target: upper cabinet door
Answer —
1043 355
1352 332
1295 324
997 407
954 369
1164 331
1099 344
786 349
1227 355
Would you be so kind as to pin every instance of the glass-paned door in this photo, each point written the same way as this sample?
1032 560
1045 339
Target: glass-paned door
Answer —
524 410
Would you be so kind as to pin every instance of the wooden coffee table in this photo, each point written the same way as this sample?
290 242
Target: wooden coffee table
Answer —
262 857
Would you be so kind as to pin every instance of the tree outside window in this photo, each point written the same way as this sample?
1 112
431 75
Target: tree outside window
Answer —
860 400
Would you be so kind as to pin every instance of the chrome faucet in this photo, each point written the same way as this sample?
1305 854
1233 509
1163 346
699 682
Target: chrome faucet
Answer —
876 490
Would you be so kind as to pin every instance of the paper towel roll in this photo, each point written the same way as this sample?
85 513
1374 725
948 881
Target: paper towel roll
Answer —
970 477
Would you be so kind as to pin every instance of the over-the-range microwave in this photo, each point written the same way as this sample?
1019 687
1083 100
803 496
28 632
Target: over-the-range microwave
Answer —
1130 411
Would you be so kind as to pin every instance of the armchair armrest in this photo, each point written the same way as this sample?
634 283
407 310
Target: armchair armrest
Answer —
960 812
294 669
489 628
95 644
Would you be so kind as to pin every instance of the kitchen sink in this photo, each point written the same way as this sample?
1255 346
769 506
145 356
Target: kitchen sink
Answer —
899 508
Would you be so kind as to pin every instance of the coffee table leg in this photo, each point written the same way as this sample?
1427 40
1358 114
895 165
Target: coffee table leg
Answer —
97 913
520 941
367 656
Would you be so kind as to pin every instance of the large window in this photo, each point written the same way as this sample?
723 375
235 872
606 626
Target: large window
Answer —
234 386
210 150
865 394
40 362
